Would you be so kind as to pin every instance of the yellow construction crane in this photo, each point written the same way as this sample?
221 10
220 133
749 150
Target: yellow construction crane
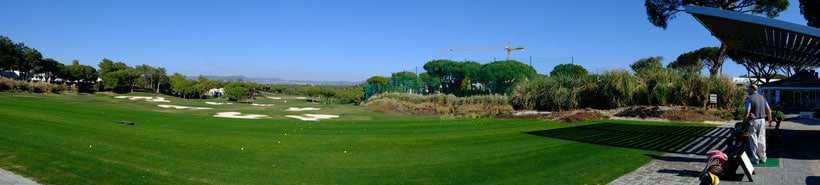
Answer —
508 48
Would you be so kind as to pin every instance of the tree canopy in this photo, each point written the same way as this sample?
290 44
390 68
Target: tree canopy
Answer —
568 70
240 91
659 12
647 64
501 76
811 12
697 59
378 80
451 73
405 78
80 73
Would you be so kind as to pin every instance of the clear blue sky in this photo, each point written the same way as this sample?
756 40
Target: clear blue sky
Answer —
350 40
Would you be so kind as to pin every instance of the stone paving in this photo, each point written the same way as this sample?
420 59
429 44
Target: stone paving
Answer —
799 161
800 158
682 166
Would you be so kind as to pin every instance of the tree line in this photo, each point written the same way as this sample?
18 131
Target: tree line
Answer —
110 75
459 78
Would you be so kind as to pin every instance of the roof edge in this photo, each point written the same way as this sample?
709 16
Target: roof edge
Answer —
752 19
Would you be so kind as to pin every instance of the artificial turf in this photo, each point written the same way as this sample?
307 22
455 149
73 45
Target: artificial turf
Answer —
77 139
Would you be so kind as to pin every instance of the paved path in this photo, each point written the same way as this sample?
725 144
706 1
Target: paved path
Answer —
799 161
681 166
9 178
800 157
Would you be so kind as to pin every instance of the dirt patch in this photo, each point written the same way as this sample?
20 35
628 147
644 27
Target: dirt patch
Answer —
690 115
641 111
670 113
578 116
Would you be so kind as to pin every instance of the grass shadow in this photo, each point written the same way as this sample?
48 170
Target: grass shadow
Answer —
674 139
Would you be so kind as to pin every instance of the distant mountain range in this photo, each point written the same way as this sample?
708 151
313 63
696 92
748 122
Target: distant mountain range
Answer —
276 81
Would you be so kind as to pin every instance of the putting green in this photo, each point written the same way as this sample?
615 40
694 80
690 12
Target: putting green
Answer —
770 162
78 139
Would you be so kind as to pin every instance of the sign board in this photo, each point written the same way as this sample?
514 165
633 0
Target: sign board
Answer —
712 98
747 166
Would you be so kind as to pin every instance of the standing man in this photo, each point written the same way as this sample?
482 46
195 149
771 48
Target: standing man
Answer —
757 109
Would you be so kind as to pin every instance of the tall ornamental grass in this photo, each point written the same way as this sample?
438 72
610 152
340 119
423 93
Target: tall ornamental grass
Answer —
620 88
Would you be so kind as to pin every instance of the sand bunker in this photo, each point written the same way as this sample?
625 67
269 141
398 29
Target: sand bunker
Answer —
275 98
216 103
146 98
312 117
297 109
239 115
262 105
301 98
183 107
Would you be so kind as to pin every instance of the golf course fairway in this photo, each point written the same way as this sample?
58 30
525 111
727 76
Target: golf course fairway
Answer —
80 139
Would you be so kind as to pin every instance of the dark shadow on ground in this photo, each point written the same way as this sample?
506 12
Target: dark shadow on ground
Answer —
683 173
798 144
677 159
674 139
804 121
813 180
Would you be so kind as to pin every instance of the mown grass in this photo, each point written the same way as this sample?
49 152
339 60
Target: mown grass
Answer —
75 139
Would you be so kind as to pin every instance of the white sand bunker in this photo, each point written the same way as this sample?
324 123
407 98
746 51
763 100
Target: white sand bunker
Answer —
183 107
275 98
146 98
301 98
239 115
297 109
312 117
216 103
262 105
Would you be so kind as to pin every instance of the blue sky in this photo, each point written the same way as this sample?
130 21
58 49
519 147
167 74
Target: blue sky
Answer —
349 40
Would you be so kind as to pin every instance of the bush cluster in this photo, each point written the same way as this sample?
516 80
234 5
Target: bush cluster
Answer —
9 84
332 94
439 105
620 88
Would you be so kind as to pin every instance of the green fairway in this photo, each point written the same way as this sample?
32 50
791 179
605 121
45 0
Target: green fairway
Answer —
76 139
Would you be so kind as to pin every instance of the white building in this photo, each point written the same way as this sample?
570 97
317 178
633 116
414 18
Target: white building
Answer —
215 92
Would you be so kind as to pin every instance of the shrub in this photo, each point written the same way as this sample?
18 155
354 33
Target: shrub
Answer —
554 93
440 105
779 115
617 88
659 95
740 113
31 87
691 89
729 95
659 83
